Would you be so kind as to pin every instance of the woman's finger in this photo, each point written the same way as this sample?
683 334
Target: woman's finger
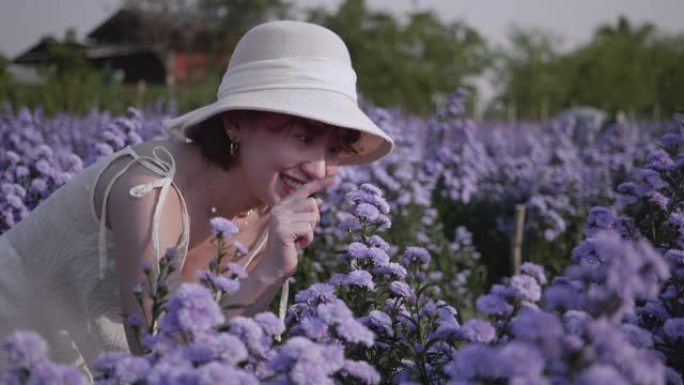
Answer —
306 238
303 205
309 188
312 217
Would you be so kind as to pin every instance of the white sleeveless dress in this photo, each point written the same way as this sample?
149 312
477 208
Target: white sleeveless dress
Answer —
55 276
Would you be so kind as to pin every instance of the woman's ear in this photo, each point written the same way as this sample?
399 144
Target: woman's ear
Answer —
230 127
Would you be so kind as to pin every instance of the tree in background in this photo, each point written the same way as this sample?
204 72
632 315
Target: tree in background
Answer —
235 17
408 65
6 82
628 68
527 73
614 71
69 74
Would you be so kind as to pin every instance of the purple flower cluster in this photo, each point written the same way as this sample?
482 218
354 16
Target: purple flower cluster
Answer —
40 155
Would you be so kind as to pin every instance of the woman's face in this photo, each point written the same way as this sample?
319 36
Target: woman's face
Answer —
279 153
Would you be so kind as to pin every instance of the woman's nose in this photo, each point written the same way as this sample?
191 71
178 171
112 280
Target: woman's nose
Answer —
320 168
315 169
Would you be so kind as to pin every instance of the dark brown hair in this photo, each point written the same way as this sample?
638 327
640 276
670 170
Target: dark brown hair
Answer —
214 142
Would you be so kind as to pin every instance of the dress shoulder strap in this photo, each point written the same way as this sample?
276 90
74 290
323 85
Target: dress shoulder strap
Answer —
166 168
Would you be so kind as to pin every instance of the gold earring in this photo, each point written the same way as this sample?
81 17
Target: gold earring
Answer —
234 149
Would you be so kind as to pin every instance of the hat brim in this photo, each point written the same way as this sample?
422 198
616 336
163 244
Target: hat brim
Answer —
324 106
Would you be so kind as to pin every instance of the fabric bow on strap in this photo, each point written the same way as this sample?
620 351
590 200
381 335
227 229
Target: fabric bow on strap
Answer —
166 168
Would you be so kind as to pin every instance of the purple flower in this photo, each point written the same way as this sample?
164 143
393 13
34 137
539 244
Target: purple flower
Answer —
416 255
675 257
237 270
338 314
227 285
241 248
223 283
478 331
369 196
223 227
316 293
636 269
366 212
526 288
372 189
197 354
674 329
10 378
660 200
402 289
218 373
563 294
106 362
671 139
543 329
14 201
24 349
576 322
357 250
131 369
49 373
521 360
378 256
391 269
641 338
249 332
473 361
350 224
493 305
270 323
378 321
314 328
12 157
192 309
360 278
225 347
44 167
377 241
362 371
135 320
601 374
22 171
659 160
652 311
535 271
39 185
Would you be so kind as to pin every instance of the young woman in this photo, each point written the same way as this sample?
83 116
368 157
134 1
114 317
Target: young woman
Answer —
286 117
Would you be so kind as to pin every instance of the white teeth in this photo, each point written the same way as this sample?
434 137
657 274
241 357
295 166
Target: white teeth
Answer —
291 182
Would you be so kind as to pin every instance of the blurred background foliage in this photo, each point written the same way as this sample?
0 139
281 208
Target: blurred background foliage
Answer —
412 64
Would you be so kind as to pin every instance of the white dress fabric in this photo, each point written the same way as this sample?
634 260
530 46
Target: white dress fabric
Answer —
55 274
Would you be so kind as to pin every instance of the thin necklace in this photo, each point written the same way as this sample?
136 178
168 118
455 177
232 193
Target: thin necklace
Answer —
212 208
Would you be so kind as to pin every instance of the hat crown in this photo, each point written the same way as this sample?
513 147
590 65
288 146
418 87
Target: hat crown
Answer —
289 39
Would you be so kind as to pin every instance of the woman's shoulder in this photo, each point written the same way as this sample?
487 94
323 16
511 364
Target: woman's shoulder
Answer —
137 190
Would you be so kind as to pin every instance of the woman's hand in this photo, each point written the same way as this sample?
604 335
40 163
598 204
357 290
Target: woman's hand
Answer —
291 226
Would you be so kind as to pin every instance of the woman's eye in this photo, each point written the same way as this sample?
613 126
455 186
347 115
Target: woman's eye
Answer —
307 139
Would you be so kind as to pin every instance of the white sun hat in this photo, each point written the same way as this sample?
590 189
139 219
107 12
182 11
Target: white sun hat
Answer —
295 68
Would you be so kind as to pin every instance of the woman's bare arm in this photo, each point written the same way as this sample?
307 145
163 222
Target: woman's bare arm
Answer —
131 222
257 289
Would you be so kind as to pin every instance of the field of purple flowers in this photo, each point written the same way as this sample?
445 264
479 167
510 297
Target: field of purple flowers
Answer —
408 281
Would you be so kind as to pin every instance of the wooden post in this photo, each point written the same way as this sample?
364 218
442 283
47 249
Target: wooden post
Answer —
544 110
516 244
140 93
511 112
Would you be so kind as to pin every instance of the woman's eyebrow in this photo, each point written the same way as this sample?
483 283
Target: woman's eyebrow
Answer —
314 129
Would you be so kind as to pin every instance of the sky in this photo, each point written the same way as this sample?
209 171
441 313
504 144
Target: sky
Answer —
24 22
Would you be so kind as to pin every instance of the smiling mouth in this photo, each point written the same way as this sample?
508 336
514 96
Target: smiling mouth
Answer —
290 184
